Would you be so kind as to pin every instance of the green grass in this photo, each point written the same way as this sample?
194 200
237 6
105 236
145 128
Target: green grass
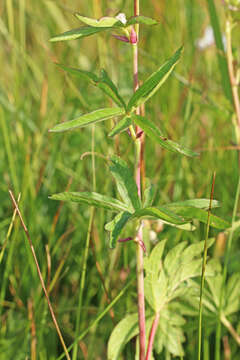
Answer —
35 95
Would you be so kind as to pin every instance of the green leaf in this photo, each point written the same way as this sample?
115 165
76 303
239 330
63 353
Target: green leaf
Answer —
122 125
77 33
124 331
87 119
125 183
104 22
103 82
155 134
116 226
80 73
169 336
190 212
198 203
194 250
159 213
152 263
232 295
91 198
144 20
106 85
173 258
154 82
148 196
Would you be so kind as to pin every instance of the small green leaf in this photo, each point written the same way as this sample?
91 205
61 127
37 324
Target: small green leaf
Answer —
122 125
159 213
105 21
124 331
103 82
144 20
77 33
154 82
116 226
153 262
155 134
125 183
87 119
232 295
148 196
190 212
80 73
107 85
173 257
198 203
91 198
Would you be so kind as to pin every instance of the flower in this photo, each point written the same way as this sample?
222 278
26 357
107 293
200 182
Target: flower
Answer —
122 17
208 39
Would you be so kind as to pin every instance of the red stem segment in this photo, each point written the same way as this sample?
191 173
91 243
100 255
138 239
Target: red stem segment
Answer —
139 255
152 335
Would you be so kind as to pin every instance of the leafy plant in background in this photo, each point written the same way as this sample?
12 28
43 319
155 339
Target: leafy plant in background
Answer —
167 278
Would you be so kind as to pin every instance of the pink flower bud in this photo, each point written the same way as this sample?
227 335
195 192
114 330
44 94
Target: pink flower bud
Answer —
121 38
133 36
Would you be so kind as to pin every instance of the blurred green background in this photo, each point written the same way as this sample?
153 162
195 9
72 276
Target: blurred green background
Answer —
35 95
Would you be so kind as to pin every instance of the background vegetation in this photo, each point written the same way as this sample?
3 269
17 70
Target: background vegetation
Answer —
34 96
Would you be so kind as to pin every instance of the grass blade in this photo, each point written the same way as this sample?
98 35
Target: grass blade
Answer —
222 61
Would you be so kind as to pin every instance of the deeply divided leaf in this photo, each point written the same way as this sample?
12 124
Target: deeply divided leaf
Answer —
154 82
91 198
87 119
125 183
156 135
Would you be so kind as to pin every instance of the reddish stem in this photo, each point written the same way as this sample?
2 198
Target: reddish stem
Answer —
152 335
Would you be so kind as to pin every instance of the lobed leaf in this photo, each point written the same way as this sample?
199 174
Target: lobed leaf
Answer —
125 183
77 33
154 82
156 135
87 119
91 198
